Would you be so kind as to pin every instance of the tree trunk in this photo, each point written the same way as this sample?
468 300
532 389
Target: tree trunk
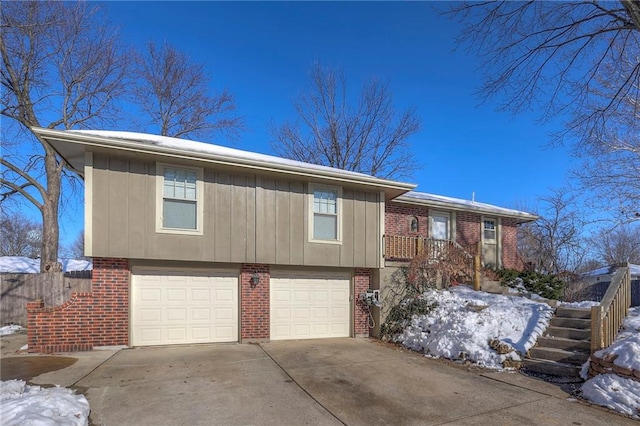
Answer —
50 229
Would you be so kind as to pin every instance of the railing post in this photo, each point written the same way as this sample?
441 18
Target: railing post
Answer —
596 328
476 267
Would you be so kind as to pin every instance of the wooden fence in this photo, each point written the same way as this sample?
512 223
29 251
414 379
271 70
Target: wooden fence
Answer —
606 318
53 288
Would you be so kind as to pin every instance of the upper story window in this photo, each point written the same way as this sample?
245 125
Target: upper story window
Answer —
179 203
325 213
489 230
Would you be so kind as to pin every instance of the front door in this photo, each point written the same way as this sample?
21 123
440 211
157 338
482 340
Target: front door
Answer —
439 226
490 242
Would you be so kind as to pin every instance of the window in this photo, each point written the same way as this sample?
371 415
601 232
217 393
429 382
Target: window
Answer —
179 199
490 230
413 224
325 213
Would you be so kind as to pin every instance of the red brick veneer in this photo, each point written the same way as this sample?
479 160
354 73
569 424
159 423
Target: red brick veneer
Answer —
362 281
467 229
98 318
255 303
397 219
510 258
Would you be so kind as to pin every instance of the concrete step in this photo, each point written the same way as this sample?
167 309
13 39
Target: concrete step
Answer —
566 344
493 287
569 333
573 312
581 323
550 367
559 355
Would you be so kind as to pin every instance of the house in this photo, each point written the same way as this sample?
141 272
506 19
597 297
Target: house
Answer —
417 219
194 243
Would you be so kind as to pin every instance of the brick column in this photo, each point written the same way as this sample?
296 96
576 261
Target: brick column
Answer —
255 304
110 287
362 281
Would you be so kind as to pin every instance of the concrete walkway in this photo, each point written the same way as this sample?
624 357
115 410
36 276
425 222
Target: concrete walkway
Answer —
317 382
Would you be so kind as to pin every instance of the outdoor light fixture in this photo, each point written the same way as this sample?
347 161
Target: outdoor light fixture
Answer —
255 280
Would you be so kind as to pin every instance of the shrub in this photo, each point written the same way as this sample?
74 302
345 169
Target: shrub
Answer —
548 286
400 315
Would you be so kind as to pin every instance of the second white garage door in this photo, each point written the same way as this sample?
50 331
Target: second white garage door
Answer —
310 306
170 307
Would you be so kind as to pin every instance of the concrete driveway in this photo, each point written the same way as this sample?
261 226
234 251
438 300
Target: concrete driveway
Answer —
318 382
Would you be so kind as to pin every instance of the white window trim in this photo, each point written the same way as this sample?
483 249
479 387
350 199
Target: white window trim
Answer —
160 196
338 189
495 229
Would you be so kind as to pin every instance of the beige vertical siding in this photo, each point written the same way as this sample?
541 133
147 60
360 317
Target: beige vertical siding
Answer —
247 219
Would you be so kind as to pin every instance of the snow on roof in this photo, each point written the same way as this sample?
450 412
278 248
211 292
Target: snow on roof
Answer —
606 270
210 149
414 196
26 265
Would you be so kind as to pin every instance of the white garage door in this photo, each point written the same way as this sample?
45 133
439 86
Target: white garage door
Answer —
310 306
177 308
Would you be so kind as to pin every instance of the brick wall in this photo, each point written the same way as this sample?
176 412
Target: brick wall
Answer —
255 306
467 228
99 318
362 281
510 258
397 219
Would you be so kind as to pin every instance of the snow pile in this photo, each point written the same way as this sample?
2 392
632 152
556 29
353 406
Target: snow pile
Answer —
610 390
584 304
615 392
26 265
22 404
10 329
465 321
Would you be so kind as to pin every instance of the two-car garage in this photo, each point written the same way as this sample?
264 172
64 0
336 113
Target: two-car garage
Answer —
185 307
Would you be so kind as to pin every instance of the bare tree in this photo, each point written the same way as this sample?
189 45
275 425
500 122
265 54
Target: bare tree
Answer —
61 68
618 245
174 92
576 58
554 243
369 137
19 235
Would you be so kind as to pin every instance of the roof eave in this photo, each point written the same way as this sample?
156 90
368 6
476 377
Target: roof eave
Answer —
521 217
391 188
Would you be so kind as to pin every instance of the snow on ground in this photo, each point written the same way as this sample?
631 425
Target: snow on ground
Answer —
22 404
10 329
464 322
26 265
585 304
613 391
25 405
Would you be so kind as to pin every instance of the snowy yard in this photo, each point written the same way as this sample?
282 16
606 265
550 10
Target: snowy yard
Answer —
464 322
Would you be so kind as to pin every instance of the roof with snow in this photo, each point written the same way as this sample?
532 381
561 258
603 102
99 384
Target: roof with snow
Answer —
72 144
432 200
610 269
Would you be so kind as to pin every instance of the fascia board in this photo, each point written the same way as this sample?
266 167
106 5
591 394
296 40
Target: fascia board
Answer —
133 146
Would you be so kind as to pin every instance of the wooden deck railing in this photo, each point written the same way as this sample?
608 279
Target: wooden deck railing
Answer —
402 248
607 317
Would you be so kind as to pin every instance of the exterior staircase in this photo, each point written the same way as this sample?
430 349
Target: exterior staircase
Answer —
565 346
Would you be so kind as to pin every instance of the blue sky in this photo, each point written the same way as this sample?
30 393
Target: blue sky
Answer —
262 53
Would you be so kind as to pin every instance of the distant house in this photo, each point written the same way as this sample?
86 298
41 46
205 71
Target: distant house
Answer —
197 243
594 284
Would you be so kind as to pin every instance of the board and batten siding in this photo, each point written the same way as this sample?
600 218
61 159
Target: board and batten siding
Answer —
248 218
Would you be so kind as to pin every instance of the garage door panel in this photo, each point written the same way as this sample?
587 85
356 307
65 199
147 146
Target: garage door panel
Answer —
179 309
310 306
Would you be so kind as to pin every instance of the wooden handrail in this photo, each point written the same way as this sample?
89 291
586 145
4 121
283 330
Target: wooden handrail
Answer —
403 248
606 318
